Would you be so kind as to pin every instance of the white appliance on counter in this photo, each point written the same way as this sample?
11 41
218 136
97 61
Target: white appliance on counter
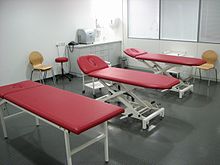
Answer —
86 36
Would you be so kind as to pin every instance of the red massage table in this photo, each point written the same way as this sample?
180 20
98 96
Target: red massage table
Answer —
151 61
69 112
137 108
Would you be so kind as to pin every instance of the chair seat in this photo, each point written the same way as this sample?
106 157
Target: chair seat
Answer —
42 67
61 59
206 66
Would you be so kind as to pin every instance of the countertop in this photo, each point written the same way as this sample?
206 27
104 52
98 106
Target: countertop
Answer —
96 43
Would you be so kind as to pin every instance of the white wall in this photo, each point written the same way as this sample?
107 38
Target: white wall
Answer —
28 25
159 46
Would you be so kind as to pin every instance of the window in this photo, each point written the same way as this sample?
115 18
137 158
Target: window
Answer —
179 19
143 19
182 20
209 21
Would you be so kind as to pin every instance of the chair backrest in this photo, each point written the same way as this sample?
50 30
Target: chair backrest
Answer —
62 50
210 56
36 58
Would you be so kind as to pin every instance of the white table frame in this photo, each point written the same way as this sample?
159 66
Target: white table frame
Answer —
69 151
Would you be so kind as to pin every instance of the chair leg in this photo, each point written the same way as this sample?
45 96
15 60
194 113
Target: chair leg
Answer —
200 73
63 73
62 70
67 77
209 77
54 79
45 75
194 77
41 77
32 74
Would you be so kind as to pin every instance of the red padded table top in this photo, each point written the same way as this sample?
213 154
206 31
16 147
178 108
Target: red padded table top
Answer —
137 78
16 87
190 61
71 111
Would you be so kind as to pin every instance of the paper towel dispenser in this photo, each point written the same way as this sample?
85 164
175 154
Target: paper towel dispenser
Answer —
86 36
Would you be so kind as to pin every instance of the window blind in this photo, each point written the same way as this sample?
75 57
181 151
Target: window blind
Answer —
143 19
210 21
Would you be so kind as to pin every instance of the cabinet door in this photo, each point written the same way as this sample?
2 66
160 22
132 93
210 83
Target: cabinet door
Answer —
114 53
73 61
84 51
92 50
104 54
75 70
102 51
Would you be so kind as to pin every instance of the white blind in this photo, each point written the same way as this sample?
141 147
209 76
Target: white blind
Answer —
143 19
210 21
179 19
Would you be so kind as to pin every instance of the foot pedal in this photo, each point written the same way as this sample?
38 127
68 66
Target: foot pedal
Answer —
129 115
153 102
151 127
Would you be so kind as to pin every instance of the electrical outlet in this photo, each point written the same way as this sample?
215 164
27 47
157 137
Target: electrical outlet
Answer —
61 43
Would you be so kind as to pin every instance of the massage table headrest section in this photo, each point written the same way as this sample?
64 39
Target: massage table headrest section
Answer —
71 111
133 52
90 63
139 54
16 87
130 77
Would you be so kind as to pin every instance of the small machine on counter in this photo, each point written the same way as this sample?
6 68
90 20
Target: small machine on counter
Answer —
86 36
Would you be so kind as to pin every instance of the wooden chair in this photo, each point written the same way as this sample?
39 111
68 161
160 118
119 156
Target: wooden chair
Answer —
210 57
36 60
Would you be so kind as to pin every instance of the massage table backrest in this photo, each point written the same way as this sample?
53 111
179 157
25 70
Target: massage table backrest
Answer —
91 63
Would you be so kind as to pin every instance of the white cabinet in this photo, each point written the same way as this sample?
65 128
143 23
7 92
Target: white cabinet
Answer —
108 51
